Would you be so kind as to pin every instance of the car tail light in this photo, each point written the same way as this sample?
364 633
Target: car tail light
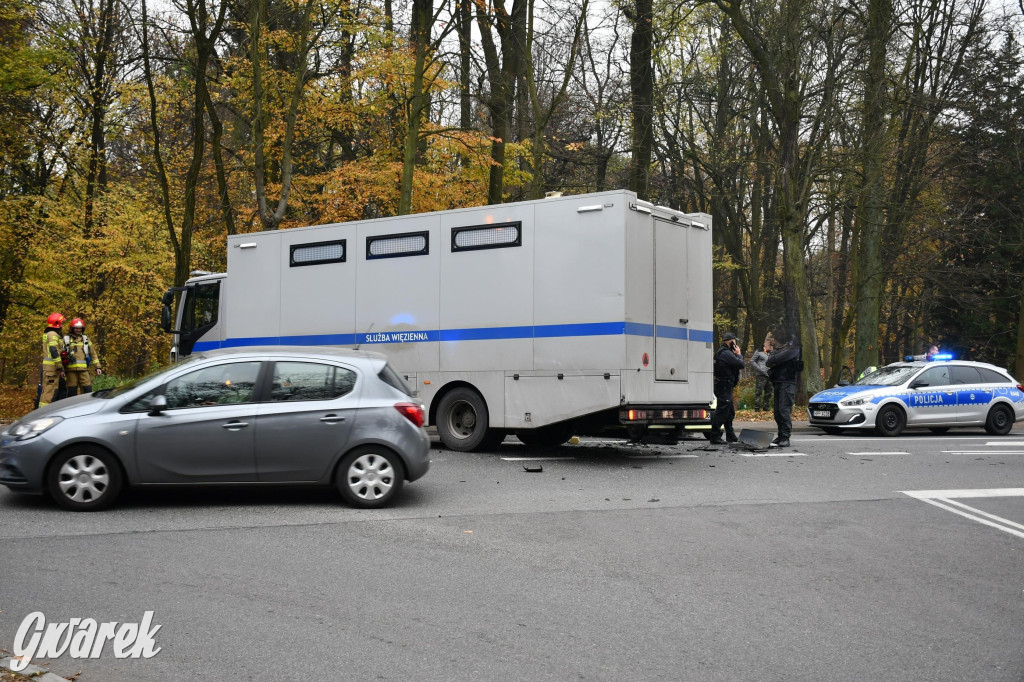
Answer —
1020 387
412 412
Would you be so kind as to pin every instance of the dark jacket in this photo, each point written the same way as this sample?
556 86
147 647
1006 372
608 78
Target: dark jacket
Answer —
727 367
785 362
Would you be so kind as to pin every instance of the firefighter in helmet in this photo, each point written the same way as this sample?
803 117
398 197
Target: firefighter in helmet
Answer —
82 359
53 369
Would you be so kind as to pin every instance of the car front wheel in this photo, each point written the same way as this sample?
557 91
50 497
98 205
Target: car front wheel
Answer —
85 478
1000 420
890 421
370 477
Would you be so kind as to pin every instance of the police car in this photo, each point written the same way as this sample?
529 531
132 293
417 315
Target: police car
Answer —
938 395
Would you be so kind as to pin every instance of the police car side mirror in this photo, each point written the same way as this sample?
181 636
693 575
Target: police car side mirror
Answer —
843 382
919 384
157 405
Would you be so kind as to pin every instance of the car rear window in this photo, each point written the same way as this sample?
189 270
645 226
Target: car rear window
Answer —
990 376
391 378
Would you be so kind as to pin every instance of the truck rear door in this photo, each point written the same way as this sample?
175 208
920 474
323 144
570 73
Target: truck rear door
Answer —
671 298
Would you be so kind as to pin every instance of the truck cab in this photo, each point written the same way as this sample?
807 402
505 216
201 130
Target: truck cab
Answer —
200 318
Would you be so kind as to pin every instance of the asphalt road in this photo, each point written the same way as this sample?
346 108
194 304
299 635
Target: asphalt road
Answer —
615 562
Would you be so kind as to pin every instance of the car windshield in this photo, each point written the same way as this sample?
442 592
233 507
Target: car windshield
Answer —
124 388
893 375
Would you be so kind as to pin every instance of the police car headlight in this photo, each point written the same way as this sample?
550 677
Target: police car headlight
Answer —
31 429
853 402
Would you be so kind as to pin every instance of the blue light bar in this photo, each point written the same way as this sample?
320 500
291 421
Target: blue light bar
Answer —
942 356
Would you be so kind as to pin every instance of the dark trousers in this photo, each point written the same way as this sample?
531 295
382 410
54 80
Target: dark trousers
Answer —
724 413
785 396
762 393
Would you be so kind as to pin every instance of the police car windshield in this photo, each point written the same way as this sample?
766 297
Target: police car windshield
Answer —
893 375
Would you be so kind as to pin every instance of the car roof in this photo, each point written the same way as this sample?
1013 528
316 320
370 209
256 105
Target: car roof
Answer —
305 352
933 363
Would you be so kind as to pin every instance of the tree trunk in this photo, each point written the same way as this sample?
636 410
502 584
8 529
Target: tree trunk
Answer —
869 280
419 36
641 87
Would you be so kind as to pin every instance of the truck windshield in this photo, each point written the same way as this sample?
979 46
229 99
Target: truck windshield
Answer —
892 375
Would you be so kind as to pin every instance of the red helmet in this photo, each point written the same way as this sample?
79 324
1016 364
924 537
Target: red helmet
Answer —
77 322
55 320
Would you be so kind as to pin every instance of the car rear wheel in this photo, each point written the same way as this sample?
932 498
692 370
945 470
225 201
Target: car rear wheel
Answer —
84 478
370 477
938 429
462 420
1000 420
890 421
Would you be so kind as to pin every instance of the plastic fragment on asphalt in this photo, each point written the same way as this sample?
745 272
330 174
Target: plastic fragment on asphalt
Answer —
533 469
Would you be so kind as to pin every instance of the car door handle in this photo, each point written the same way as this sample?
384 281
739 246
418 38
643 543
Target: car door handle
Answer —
332 419
234 425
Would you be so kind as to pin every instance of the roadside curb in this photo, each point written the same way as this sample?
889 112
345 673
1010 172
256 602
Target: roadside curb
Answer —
31 672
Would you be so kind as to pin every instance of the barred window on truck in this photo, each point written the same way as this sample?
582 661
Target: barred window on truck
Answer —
396 245
317 253
496 236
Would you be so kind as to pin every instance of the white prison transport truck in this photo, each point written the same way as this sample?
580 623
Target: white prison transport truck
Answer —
545 318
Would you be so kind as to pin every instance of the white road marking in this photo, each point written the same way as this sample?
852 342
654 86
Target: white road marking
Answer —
998 519
773 454
851 439
945 499
878 453
965 492
535 459
983 452
1005 442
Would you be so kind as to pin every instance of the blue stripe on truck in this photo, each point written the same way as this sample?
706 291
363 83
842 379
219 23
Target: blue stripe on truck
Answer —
544 331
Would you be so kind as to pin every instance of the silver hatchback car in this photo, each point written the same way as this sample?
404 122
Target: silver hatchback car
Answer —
262 416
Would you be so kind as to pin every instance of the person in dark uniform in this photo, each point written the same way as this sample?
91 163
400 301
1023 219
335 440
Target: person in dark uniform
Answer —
783 365
728 363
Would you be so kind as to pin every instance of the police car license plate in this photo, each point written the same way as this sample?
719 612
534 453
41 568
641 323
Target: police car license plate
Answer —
820 413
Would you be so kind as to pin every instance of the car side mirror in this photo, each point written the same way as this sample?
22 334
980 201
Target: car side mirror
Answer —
843 382
919 384
157 405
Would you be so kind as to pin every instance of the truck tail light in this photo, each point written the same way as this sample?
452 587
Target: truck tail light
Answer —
412 412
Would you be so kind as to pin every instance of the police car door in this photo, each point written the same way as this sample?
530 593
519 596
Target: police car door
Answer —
972 397
932 398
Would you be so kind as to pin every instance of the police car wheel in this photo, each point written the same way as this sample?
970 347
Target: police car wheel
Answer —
890 421
84 478
1000 420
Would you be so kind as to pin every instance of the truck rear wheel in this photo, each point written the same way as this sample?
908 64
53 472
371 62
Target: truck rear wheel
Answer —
462 420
